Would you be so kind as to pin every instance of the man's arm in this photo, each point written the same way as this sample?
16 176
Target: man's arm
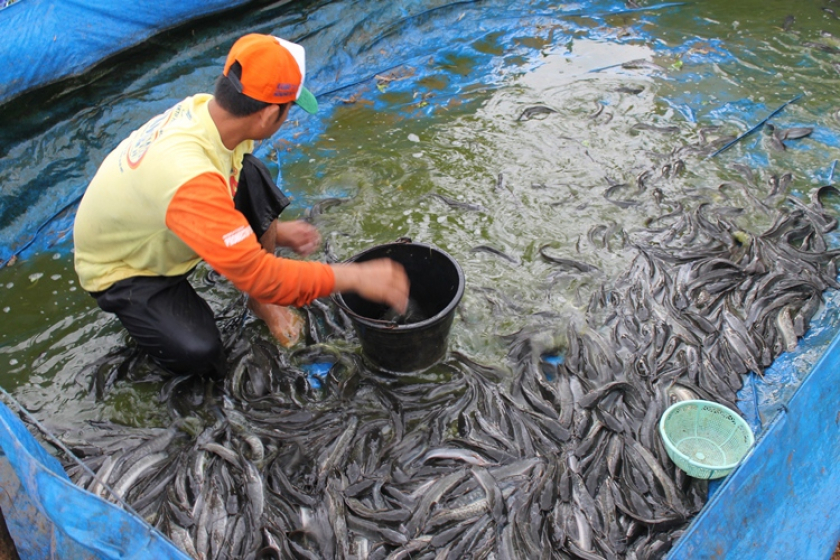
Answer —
203 216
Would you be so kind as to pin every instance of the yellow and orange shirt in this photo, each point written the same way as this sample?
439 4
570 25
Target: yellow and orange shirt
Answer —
163 200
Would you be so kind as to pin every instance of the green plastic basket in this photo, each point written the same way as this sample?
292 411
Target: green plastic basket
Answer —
705 439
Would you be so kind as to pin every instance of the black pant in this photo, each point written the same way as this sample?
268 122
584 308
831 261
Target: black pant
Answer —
166 316
170 321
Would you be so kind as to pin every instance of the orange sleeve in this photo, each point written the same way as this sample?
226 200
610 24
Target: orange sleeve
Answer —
203 216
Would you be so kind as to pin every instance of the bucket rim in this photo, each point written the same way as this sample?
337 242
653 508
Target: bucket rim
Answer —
390 325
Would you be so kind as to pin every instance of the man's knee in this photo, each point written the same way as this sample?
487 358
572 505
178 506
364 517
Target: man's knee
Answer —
202 356
170 321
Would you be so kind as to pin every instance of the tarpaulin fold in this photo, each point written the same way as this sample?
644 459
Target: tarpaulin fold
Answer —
48 40
80 525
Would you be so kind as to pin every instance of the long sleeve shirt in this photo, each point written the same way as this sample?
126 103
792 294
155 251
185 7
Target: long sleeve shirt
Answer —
163 200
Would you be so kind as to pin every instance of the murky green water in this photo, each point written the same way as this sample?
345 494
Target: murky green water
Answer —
448 124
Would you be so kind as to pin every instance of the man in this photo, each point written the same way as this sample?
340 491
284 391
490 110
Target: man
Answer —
185 188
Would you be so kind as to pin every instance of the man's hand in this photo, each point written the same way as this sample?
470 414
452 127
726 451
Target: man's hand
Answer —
299 236
379 280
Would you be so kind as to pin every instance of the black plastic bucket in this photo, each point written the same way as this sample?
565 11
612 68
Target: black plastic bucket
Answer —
417 340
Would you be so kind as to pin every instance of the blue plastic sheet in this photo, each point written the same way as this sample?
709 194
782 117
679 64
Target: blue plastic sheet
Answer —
52 40
38 55
36 211
79 525
782 500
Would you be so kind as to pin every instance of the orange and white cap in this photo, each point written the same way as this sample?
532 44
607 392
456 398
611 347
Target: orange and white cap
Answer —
273 70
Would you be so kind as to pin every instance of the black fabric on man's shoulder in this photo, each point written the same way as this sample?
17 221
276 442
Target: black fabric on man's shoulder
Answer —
257 196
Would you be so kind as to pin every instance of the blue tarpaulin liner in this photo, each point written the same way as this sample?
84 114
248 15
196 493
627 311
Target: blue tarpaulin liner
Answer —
38 208
740 514
47 40
783 498
82 526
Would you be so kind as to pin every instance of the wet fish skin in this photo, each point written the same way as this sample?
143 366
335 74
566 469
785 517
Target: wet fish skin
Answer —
321 207
567 263
470 534
586 503
526 524
458 204
148 495
632 90
377 531
642 63
622 203
494 251
254 489
467 456
786 328
531 112
821 46
593 397
137 470
180 537
340 447
338 517
303 552
153 445
795 132
204 523
468 511
788 22
430 497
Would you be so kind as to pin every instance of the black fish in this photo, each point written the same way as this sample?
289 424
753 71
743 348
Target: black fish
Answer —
458 204
321 206
821 46
632 90
599 108
779 185
568 263
664 129
475 460
788 22
413 314
796 132
530 112
494 251
778 135
826 190
610 192
641 64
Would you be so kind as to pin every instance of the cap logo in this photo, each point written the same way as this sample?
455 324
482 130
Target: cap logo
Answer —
283 90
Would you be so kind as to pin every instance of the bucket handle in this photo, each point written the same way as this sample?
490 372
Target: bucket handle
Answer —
384 324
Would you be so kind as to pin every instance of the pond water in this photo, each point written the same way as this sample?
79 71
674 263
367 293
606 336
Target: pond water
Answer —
425 107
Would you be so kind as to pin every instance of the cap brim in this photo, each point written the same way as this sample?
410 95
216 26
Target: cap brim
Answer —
307 101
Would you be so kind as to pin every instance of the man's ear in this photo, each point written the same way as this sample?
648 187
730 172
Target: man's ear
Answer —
269 115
